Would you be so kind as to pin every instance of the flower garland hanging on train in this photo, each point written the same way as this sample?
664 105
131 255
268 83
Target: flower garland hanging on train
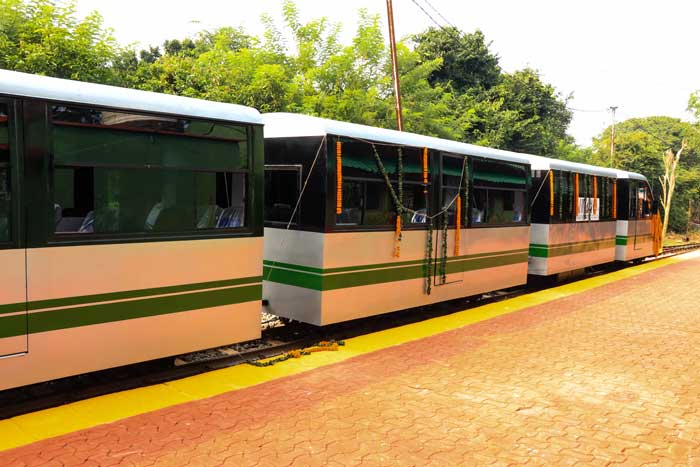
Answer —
442 216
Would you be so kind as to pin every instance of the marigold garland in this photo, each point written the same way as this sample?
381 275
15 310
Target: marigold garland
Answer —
575 196
595 193
425 168
298 353
551 193
614 206
339 177
458 224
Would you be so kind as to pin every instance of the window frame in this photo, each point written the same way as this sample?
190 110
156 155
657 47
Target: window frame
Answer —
74 238
14 170
334 226
285 168
473 185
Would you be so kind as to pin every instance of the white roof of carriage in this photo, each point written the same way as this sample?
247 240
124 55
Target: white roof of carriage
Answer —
13 83
632 175
288 125
545 163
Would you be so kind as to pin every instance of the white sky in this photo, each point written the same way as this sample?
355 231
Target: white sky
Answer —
639 55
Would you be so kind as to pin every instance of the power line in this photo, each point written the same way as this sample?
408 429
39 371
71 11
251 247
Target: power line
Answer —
587 110
428 15
439 14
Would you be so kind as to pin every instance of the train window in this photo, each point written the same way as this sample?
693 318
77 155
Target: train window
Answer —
499 194
120 173
116 200
366 198
643 201
353 203
282 187
5 189
633 199
498 207
452 180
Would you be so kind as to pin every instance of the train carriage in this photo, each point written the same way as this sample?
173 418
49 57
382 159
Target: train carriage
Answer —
573 216
634 239
337 252
130 226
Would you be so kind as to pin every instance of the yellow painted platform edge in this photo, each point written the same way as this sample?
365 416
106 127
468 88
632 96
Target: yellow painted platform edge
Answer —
29 428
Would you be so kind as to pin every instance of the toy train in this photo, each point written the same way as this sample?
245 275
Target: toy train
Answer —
136 225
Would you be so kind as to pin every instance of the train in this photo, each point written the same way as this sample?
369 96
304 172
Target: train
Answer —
136 225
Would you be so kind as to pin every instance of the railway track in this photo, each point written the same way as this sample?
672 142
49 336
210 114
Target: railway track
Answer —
278 337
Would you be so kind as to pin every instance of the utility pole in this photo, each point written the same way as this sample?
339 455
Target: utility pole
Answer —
394 65
612 137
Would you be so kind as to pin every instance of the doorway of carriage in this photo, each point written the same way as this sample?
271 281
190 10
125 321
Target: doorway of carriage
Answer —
13 255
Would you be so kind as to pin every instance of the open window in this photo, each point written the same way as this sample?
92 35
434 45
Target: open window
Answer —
452 173
282 189
367 200
499 193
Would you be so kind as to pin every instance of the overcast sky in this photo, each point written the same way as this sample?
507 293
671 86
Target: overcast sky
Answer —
638 55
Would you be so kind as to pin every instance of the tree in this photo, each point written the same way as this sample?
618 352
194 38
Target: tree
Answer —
694 104
466 61
668 182
45 37
638 143
521 113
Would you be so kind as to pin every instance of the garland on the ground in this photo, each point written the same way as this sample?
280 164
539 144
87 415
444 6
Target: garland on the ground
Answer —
320 347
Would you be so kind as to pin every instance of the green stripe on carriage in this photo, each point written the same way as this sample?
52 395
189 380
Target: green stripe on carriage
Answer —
623 240
65 318
562 249
309 269
127 294
355 276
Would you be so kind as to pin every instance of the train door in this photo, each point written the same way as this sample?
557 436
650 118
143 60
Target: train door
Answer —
13 260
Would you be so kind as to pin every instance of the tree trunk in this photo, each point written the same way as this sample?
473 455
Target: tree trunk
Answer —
668 183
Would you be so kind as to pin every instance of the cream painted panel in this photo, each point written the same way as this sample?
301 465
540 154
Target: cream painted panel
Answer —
13 345
581 232
565 263
360 248
13 289
294 247
357 302
66 352
12 277
93 269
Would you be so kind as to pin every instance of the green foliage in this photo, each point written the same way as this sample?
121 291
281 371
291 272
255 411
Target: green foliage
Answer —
467 62
694 104
452 85
639 147
44 37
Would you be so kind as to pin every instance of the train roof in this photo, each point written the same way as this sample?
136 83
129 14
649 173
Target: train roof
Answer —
288 125
13 83
632 175
546 163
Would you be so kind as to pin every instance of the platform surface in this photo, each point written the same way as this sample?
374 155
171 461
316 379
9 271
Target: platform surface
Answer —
601 372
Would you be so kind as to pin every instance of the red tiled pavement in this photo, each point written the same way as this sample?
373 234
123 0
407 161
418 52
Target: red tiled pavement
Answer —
606 377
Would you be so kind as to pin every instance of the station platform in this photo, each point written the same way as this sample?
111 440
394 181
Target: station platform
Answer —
603 371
